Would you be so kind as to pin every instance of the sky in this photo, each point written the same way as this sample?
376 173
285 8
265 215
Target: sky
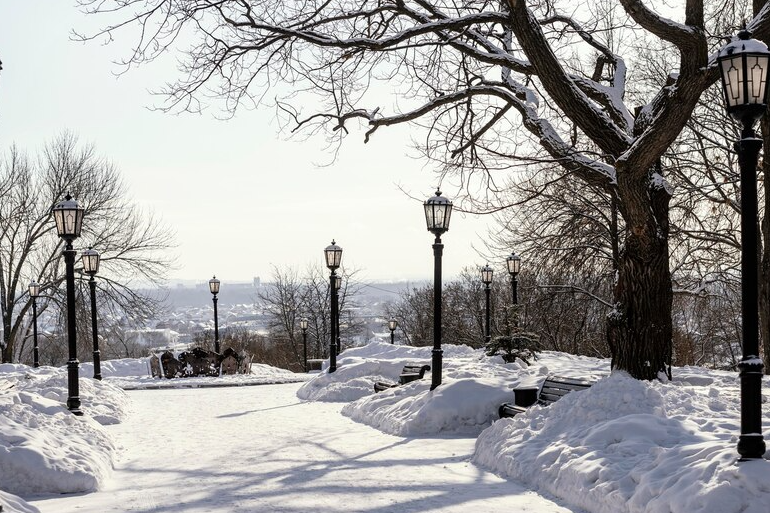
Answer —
239 194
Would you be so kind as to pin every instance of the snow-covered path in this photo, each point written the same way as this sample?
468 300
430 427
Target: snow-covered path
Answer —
260 449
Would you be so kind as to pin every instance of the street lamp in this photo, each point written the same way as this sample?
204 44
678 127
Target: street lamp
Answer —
303 325
214 288
333 255
513 263
438 211
337 287
34 291
744 64
392 325
486 279
90 259
68 216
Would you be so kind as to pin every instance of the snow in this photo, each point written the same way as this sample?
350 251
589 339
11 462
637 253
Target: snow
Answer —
43 447
737 45
331 443
628 445
134 374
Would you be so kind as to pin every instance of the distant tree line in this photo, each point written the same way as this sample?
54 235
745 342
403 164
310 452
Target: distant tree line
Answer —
285 298
566 313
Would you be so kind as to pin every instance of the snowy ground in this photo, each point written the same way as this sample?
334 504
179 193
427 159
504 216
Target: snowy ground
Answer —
260 449
134 374
621 446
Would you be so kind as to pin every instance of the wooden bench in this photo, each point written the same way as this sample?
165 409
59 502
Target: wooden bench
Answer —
553 389
409 373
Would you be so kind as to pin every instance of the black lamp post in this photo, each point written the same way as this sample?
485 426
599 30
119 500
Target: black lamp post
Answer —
333 255
392 325
513 263
214 288
337 287
90 259
486 279
68 216
303 325
744 64
34 291
438 211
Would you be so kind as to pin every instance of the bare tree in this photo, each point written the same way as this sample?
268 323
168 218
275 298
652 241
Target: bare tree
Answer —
132 245
281 299
288 297
492 82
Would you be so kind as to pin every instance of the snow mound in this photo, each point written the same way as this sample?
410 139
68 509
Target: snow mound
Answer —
43 447
473 386
134 374
100 400
14 504
121 367
46 449
631 446
459 407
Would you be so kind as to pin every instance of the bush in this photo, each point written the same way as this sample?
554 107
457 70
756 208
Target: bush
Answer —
522 345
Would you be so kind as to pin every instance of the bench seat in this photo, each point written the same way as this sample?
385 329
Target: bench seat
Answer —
553 389
409 373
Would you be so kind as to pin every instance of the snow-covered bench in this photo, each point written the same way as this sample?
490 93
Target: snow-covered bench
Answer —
315 364
553 389
409 373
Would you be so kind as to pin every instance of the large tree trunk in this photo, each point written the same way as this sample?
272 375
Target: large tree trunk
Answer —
640 328
7 338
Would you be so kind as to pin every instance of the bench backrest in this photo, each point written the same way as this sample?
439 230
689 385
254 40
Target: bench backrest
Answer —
415 369
556 387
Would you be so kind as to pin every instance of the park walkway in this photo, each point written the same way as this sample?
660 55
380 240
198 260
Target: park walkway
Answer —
260 449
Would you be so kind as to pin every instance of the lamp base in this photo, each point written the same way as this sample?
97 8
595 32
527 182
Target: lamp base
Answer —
751 446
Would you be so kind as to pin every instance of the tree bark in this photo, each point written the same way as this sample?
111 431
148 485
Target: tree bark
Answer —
640 329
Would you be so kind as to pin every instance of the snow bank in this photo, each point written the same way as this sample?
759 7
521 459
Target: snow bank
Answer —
359 368
14 504
100 400
43 447
473 386
630 446
134 374
122 367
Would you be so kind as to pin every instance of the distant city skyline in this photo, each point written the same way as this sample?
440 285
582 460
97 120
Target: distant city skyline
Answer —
239 196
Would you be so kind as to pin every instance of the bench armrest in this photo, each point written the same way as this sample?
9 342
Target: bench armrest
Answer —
409 377
509 410
525 396
381 385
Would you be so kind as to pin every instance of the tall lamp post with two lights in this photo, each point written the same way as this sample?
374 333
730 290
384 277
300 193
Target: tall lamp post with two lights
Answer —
392 325
744 64
34 291
438 211
68 216
214 289
90 259
333 256
486 279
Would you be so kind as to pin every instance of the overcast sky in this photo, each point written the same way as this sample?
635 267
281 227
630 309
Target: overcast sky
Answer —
239 194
